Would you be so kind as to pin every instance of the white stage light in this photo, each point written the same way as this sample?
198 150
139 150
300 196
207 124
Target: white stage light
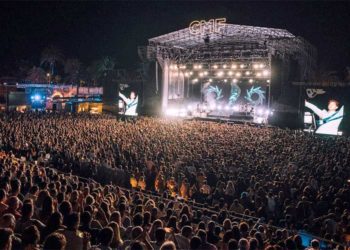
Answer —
260 111
234 80
261 65
212 106
225 80
268 81
258 74
171 112
233 66
220 73
250 80
201 74
187 74
235 108
210 80
224 66
227 107
255 66
242 66
219 107
266 72
195 80
191 73
230 73
215 66
205 73
238 74
247 73
267 112
199 66
259 120
189 107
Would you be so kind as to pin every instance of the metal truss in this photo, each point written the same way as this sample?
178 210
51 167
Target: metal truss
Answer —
235 42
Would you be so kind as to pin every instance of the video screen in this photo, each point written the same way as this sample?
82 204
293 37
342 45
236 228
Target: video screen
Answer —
220 92
128 102
325 110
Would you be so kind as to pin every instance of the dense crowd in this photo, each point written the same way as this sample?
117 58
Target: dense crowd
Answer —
284 178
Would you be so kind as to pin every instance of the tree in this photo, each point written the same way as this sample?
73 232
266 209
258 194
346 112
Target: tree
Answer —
72 69
51 56
105 67
36 74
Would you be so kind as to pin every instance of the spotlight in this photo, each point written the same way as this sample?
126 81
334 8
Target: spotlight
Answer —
258 74
268 81
36 97
187 74
220 73
260 111
199 66
219 107
227 107
195 80
212 106
261 65
189 107
191 73
238 74
255 66
224 66
267 112
225 80
205 73
247 73
233 66
235 108
250 80
210 80
266 73
201 74
234 80
230 73
241 66
215 66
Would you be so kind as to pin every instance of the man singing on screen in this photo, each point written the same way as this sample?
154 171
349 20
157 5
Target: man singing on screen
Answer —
329 120
131 103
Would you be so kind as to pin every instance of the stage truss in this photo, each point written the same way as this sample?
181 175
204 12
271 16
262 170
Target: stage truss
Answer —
235 42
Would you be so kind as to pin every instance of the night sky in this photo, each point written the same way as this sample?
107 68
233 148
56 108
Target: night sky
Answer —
91 30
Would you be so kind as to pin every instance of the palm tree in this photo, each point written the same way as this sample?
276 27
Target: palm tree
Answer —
72 69
36 74
51 56
105 67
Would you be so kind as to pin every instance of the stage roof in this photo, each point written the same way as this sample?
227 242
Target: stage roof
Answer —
229 33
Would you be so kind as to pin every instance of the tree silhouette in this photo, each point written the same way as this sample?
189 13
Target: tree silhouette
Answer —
36 74
51 56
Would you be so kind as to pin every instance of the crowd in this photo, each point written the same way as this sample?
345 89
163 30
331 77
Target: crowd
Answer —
285 178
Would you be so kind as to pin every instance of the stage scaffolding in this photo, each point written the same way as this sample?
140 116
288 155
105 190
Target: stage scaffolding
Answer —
234 43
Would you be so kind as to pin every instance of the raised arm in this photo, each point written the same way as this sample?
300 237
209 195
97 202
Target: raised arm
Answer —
315 109
124 98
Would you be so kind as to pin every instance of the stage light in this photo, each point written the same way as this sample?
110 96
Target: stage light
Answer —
224 66
230 73
205 73
255 66
266 72
225 80
267 112
247 73
199 66
215 66
219 107
261 65
238 74
220 73
201 74
36 97
227 107
171 112
234 80
212 106
195 80
268 81
260 111
189 107
259 120
187 74
258 74
182 66
250 80
235 108
233 66
241 66
210 80
191 73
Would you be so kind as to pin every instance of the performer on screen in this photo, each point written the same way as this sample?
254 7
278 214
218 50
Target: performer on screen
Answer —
131 103
329 120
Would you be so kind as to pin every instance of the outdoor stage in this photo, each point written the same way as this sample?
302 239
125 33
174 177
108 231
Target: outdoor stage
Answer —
216 70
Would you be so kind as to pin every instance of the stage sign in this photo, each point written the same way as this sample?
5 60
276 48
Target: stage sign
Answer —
203 27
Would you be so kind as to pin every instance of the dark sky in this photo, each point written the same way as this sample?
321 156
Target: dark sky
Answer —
90 30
